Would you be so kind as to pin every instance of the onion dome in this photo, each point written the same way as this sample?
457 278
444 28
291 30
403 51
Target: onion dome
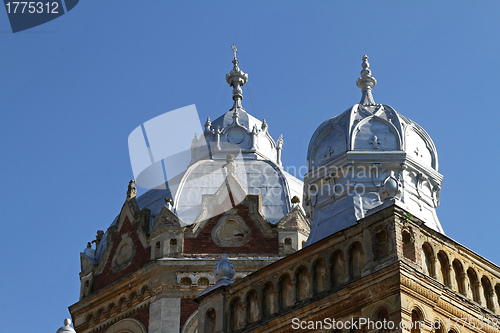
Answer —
364 157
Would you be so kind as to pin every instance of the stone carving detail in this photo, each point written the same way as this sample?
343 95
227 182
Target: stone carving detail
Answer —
375 143
391 187
231 231
132 190
124 254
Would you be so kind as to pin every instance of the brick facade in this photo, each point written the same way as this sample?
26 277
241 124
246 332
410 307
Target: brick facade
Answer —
142 256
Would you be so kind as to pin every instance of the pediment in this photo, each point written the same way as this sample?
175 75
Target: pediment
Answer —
166 221
294 220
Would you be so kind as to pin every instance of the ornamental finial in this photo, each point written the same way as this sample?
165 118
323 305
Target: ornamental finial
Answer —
132 190
235 50
236 79
366 83
67 327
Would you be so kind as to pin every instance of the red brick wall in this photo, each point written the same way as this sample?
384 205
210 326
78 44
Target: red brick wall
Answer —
142 256
188 306
143 316
257 243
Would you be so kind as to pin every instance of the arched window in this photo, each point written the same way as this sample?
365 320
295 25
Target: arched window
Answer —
459 277
383 317
186 282
473 284
356 260
488 293
268 300
337 268
319 276
408 245
127 325
173 246
285 292
287 246
237 314
210 320
302 284
416 321
444 265
203 282
428 258
252 306
157 250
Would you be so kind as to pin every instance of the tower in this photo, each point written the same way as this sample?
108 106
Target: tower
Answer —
377 258
233 200
365 157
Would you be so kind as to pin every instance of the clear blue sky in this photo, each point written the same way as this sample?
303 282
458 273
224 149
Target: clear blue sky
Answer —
73 89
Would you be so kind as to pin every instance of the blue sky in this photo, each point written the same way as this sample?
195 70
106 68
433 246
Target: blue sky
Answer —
73 89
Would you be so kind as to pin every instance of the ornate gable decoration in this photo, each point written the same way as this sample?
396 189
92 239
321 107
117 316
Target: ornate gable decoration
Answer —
166 221
294 220
229 194
231 231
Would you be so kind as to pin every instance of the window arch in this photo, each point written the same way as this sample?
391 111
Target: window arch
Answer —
356 260
302 284
237 314
416 321
127 325
319 276
488 293
428 260
285 292
383 317
288 245
459 277
408 245
252 306
337 268
268 300
210 317
444 265
186 282
474 285
157 250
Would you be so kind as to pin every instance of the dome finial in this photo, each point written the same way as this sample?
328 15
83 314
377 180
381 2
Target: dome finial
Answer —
236 79
66 328
366 83
235 50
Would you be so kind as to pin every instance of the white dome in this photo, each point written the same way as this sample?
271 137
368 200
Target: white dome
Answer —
366 157
370 128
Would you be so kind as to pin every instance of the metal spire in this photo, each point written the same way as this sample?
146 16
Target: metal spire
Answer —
236 79
366 83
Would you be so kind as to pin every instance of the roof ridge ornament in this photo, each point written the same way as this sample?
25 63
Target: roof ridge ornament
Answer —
366 83
236 79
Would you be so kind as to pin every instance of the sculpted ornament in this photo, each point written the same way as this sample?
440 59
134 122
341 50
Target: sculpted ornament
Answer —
124 254
391 187
231 231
